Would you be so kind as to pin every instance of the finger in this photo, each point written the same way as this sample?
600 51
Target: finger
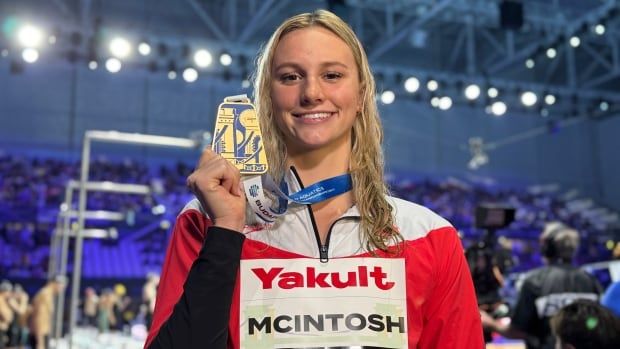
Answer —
231 179
206 156
236 179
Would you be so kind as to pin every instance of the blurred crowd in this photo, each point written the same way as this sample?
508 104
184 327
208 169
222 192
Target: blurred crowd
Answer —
32 191
27 322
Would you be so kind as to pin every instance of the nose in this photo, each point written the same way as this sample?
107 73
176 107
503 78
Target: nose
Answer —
312 92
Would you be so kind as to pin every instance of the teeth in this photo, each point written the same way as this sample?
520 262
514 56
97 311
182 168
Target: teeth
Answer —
316 116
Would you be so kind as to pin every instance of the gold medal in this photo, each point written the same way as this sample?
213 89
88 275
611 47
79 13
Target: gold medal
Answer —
237 136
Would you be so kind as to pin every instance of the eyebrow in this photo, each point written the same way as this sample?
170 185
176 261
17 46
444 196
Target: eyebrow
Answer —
297 66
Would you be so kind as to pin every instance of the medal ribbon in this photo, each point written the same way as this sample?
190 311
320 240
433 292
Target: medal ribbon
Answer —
264 206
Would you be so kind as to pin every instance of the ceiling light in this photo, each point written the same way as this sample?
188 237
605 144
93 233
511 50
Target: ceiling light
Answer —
30 55
190 74
120 47
432 85
30 36
144 49
113 65
445 103
472 92
412 84
498 108
528 98
203 58
388 97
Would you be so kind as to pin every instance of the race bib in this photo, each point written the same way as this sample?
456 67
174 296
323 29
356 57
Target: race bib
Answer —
303 303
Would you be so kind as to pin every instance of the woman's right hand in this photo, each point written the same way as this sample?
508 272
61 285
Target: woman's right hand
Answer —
216 183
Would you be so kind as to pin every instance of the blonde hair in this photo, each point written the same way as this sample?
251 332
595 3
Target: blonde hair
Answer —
366 163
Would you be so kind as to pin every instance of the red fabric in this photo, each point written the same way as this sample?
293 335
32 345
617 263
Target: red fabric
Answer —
185 244
441 304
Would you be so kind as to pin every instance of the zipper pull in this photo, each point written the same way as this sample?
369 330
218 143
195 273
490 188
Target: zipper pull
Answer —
323 254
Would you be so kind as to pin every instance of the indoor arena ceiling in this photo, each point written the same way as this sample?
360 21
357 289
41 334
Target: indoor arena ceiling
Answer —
569 48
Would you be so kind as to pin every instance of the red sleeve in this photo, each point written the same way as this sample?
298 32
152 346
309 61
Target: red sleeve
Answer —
452 318
185 244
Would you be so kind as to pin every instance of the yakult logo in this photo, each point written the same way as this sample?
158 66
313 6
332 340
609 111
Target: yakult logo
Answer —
286 280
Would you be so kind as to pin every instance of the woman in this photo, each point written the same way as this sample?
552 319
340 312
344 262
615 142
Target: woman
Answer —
405 283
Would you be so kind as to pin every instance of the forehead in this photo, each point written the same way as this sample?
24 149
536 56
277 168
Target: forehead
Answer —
310 45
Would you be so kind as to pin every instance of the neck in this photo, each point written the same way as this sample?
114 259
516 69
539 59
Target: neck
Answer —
319 164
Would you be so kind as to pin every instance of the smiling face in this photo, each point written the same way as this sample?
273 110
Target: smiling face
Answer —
315 90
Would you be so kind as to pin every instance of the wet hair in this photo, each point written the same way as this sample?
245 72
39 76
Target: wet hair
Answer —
586 324
366 162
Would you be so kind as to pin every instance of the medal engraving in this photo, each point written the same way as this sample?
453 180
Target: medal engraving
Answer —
237 136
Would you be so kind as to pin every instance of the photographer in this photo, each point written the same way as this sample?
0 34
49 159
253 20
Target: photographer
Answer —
547 289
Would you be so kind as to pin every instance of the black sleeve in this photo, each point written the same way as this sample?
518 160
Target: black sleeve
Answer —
200 318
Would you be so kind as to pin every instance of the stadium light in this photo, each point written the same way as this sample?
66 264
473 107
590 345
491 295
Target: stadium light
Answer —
412 84
387 97
472 92
144 49
113 65
120 47
604 106
432 85
498 108
528 98
30 36
529 63
225 59
190 74
30 55
203 58
445 103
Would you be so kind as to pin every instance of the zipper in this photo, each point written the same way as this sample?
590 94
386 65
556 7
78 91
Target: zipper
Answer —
323 248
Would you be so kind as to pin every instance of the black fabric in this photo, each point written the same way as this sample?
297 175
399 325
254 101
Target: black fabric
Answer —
200 318
549 280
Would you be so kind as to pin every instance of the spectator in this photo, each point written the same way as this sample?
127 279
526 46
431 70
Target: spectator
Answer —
18 336
585 324
149 294
91 303
43 310
6 313
106 316
545 290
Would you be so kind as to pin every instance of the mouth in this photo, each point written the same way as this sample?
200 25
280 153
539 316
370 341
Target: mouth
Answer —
314 116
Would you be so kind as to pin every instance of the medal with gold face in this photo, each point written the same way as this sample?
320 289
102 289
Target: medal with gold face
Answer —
237 136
